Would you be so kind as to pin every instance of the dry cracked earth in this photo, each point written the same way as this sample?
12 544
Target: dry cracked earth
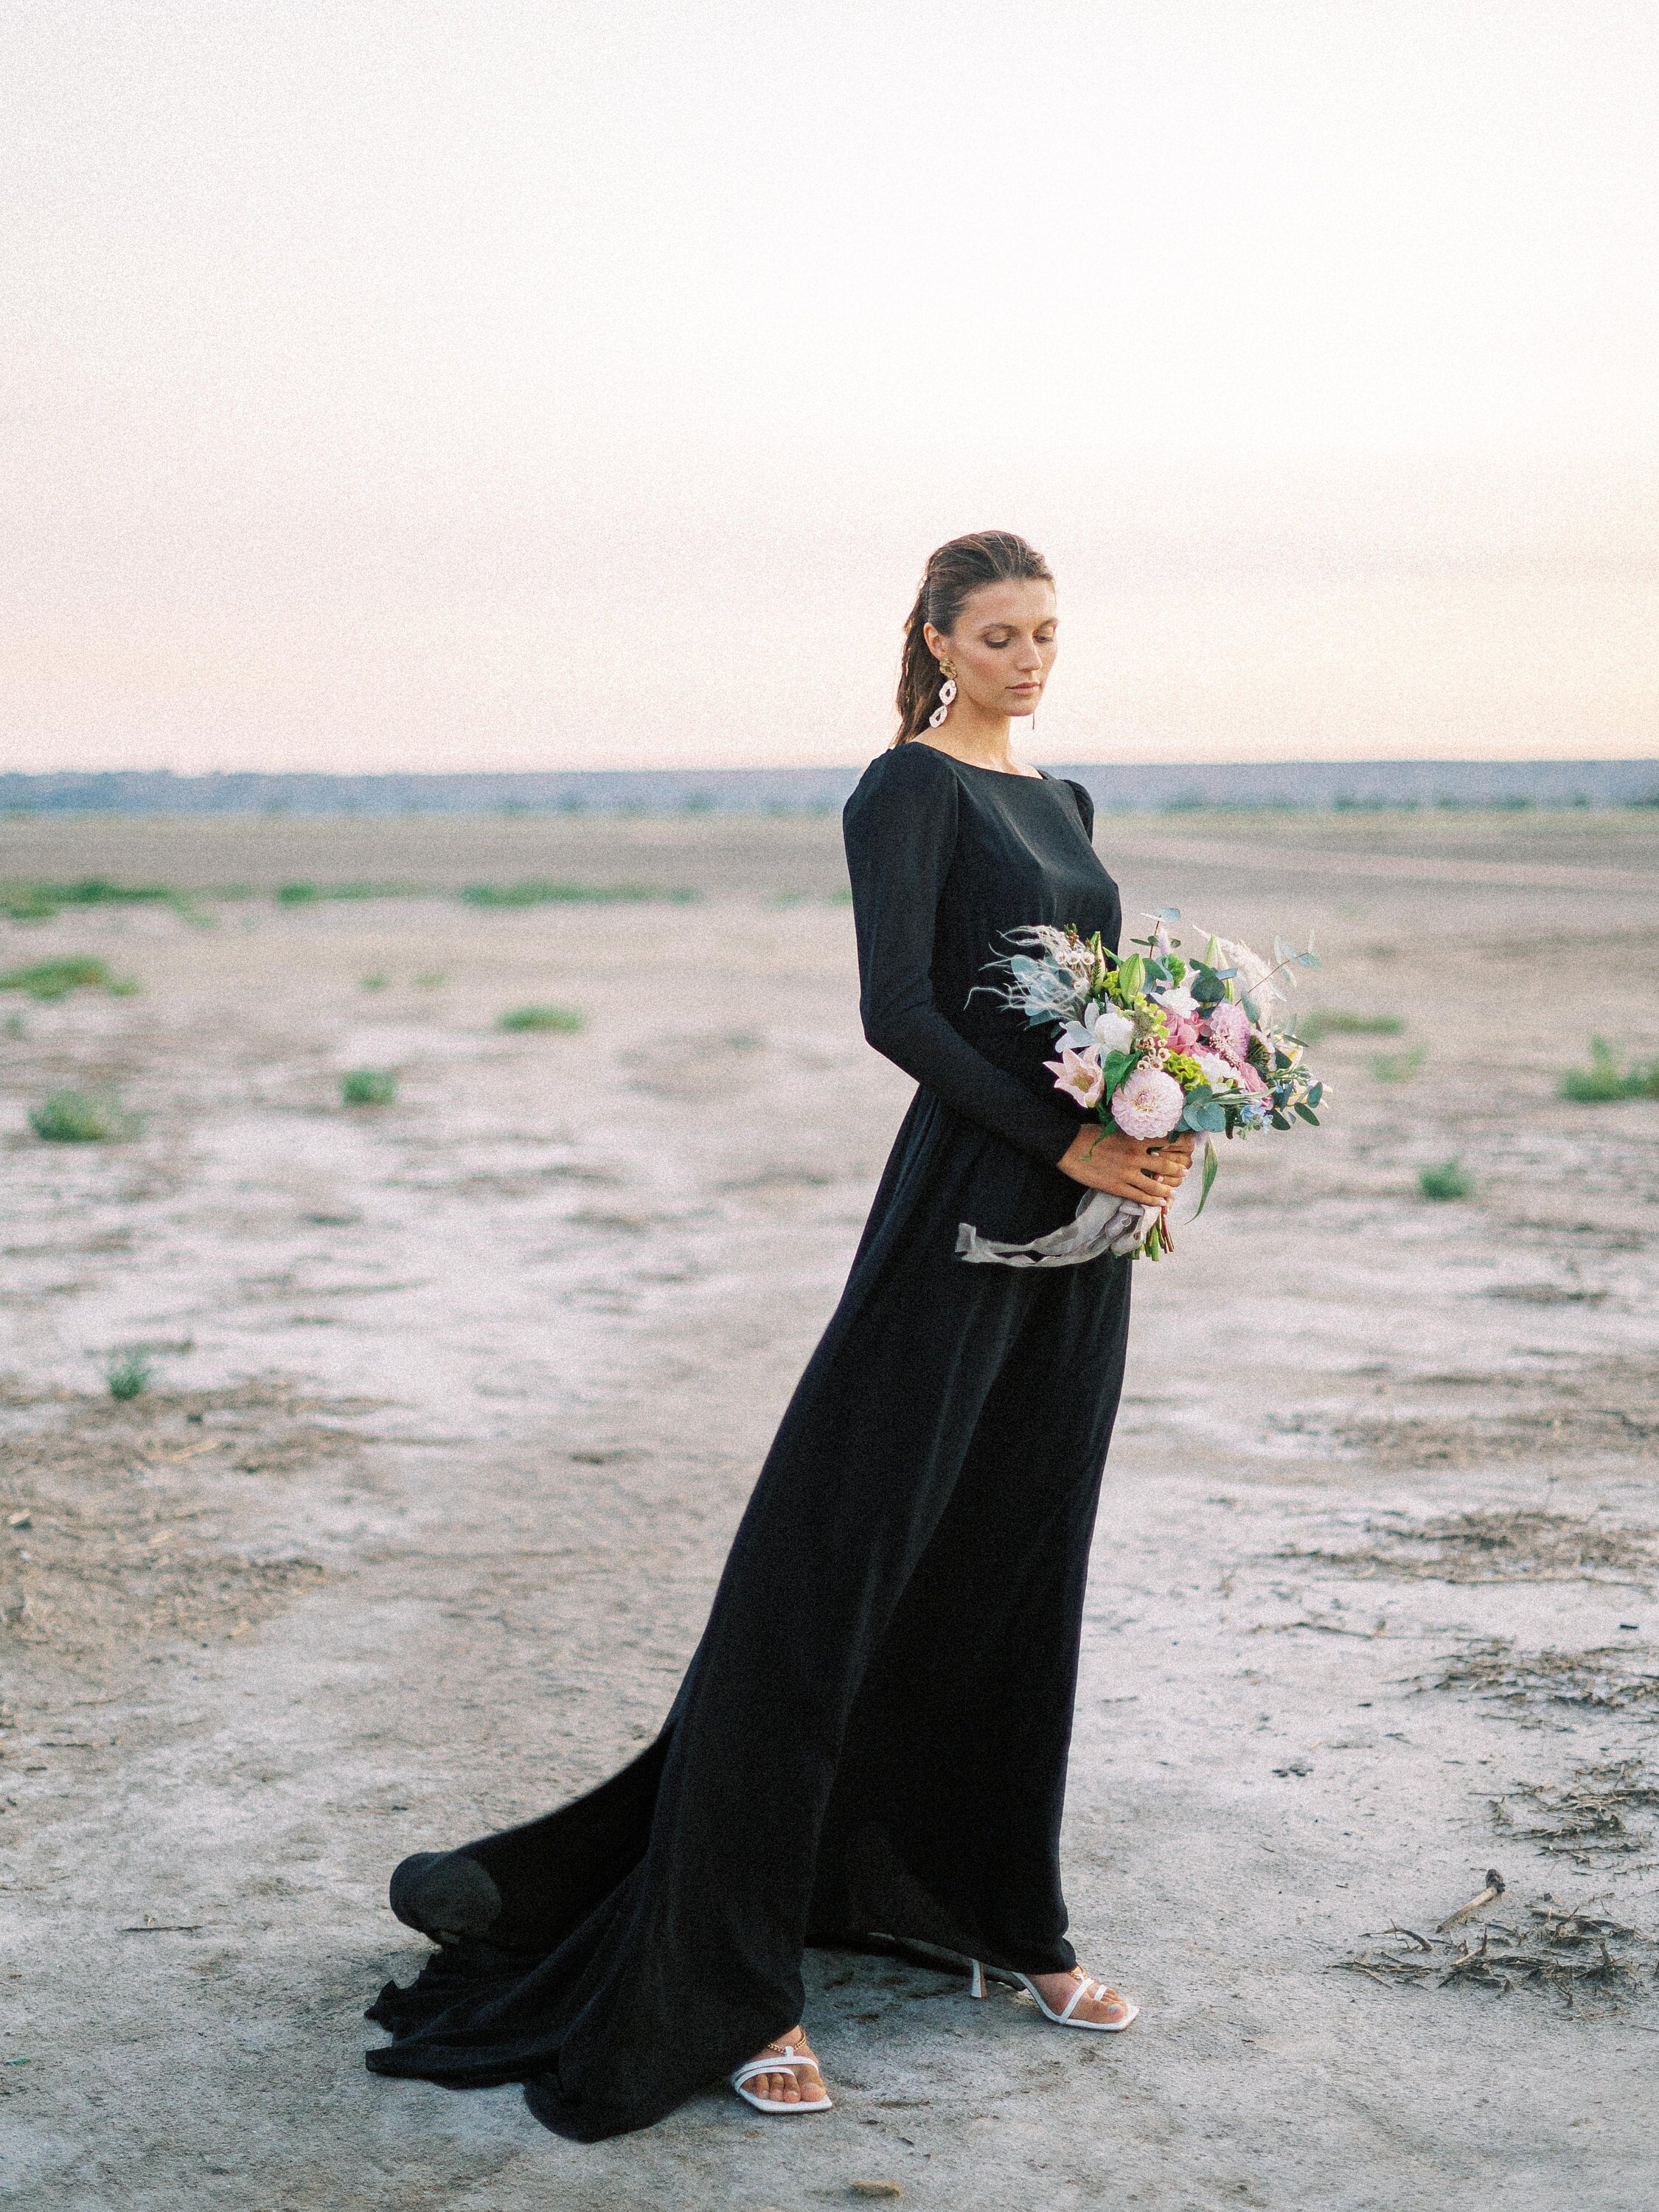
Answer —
454 1402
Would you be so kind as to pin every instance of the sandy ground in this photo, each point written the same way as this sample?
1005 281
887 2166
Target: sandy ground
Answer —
457 1401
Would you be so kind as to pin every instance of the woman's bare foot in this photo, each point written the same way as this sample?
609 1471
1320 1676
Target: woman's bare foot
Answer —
1104 2006
798 2082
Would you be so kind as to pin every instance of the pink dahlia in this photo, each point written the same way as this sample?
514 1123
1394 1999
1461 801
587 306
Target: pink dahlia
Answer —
1148 1103
1228 1027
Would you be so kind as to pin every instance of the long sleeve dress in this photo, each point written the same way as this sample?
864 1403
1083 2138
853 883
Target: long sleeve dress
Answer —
871 1739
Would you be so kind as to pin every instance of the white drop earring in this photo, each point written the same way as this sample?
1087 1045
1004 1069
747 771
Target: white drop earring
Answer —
947 692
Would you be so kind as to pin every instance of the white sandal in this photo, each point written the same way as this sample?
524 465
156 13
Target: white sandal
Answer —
782 2059
1085 1990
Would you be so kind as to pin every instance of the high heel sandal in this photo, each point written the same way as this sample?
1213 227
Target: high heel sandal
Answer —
1086 1991
782 2059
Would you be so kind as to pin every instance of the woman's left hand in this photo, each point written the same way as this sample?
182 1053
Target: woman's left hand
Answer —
1174 1155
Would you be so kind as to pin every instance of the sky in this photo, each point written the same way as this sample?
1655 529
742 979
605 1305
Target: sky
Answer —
474 383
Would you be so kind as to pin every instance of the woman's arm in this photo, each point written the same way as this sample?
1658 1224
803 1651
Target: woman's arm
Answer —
901 831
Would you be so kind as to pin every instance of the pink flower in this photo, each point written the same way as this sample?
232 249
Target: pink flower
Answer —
1228 1027
1181 1034
1148 1103
1078 1075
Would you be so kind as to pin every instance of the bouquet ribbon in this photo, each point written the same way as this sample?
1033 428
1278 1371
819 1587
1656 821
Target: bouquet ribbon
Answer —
1102 1224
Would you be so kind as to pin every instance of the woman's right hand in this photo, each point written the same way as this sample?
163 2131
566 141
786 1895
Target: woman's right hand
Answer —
1150 1171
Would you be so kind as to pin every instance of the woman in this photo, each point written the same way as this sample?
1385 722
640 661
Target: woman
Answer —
869 1743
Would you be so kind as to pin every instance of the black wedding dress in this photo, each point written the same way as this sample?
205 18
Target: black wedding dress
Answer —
871 1737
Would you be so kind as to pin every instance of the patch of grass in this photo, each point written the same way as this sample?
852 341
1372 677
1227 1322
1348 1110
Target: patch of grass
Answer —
1588 1813
1604 1081
16 1027
434 980
1604 1680
26 903
1450 1179
129 1375
1522 1544
1550 1946
1333 1021
24 900
83 1117
1398 1067
565 1020
375 982
307 894
49 980
368 1086
538 890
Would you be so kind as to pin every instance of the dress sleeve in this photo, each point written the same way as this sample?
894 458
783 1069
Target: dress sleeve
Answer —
901 829
1086 806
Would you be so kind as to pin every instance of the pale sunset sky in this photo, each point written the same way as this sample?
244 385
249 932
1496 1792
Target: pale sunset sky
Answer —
448 384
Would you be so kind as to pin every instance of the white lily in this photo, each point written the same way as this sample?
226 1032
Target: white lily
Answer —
1103 1029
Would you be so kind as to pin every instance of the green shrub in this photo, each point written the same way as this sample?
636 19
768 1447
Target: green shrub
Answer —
1397 1067
1448 1180
83 1117
129 1375
368 1086
1332 1021
539 891
55 978
375 982
1604 1080
564 1019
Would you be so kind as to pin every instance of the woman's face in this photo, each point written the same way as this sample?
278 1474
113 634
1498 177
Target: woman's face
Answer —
1002 647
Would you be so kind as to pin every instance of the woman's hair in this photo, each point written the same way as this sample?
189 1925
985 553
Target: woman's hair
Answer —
989 557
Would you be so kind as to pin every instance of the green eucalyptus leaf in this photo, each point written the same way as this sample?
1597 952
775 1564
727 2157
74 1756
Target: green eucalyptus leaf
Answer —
1208 1174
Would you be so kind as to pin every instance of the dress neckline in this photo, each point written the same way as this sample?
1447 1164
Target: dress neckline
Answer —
1007 774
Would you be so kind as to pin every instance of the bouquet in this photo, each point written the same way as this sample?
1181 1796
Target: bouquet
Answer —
1154 1044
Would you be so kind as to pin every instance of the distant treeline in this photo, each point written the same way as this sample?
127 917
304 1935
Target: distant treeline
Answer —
1117 788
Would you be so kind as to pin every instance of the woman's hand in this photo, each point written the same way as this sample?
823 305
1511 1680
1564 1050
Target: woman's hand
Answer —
1150 1170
